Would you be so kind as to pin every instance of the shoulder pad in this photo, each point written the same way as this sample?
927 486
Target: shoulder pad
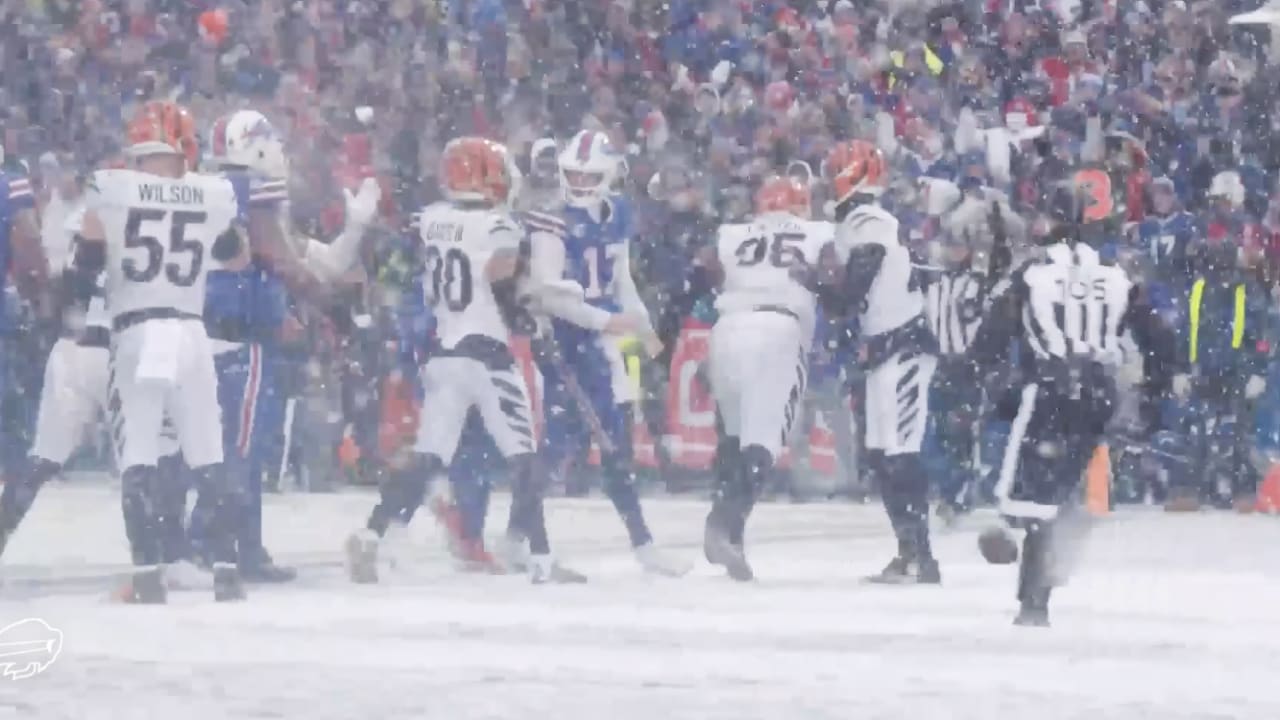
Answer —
544 222
502 224
17 186
821 229
106 183
620 210
729 231
867 217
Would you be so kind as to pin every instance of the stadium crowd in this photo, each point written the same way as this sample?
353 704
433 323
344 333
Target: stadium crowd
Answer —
978 105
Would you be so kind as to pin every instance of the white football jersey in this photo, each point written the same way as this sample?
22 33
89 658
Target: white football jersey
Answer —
895 297
159 232
458 243
758 258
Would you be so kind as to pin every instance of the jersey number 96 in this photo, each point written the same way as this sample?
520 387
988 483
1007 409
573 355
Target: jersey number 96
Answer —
782 251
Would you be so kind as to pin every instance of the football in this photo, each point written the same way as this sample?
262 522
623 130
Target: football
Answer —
998 546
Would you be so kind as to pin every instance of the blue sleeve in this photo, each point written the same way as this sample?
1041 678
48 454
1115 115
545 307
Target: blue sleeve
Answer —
18 194
254 192
626 218
240 184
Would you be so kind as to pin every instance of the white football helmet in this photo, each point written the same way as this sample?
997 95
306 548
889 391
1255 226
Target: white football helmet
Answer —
1227 185
589 166
246 138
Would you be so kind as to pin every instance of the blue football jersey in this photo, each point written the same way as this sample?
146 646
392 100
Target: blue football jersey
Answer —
1167 239
253 297
592 249
15 196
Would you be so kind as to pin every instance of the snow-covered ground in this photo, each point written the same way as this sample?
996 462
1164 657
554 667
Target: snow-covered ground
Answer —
1170 617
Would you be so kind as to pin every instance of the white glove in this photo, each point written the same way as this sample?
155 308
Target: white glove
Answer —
363 205
1181 385
720 73
1255 387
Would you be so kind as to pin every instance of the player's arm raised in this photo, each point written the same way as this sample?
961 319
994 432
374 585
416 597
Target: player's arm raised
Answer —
329 261
270 242
1001 322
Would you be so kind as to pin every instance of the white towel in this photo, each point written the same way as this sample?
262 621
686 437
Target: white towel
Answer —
161 343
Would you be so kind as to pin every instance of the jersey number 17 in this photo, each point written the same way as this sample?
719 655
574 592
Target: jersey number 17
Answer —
599 262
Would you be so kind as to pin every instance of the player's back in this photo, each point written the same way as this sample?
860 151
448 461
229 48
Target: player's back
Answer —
895 297
760 261
159 234
1075 304
458 242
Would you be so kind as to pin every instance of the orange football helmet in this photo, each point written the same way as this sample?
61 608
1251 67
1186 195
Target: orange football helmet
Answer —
162 127
473 168
853 167
783 194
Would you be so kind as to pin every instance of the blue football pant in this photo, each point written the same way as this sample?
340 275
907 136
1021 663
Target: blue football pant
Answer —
567 431
242 375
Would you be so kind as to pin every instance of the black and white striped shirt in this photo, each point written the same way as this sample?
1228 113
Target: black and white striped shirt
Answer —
953 306
1074 305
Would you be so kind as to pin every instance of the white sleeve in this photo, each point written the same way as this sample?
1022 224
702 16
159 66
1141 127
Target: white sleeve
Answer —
329 261
625 291
556 296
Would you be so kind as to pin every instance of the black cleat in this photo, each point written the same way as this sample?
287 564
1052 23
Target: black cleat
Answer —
928 573
720 551
227 583
897 572
362 557
543 570
258 567
1032 616
146 587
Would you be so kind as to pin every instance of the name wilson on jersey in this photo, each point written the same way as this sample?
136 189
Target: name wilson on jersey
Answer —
175 194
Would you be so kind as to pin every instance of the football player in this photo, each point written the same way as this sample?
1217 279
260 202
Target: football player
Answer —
20 250
157 229
245 312
581 271
759 351
868 274
470 248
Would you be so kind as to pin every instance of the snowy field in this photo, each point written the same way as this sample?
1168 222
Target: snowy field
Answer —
1170 617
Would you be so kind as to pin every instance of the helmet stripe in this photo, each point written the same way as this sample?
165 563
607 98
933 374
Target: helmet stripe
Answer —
584 145
220 137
